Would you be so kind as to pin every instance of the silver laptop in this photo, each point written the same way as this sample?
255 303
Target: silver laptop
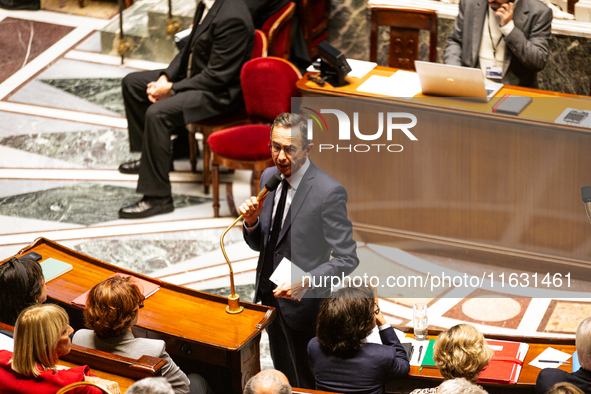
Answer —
454 81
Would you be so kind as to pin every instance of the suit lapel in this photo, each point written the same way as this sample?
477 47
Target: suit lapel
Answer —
519 19
298 200
208 19
480 10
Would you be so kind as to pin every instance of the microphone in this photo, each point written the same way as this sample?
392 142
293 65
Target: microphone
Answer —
586 194
234 299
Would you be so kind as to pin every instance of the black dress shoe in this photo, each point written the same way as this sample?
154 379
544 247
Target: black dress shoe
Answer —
146 207
132 167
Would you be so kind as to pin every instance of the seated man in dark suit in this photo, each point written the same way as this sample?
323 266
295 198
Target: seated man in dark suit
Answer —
202 81
581 378
508 40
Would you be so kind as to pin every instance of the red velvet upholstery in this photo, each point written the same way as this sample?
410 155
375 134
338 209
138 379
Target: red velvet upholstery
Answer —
260 45
249 142
314 16
268 84
279 29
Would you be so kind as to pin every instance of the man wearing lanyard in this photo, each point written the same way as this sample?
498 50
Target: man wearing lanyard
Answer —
508 39
304 222
202 81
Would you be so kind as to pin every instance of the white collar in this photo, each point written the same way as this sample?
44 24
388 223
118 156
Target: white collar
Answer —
296 177
208 4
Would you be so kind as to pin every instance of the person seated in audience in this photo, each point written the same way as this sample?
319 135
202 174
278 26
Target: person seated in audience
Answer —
565 388
459 386
460 352
21 285
150 386
269 381
41 337
111 311
548 377
342 360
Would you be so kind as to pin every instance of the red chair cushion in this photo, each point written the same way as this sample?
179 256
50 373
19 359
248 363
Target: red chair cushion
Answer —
248 143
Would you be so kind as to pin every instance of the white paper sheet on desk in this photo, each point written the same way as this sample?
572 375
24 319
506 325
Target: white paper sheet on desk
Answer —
550 354
360 68
286 271
414 360
405 85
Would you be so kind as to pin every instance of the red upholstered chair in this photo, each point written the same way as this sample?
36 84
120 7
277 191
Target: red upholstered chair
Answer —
208 126
279 29
268 84
313 20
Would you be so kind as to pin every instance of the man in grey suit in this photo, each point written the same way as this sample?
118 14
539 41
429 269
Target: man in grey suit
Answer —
506 38
303 221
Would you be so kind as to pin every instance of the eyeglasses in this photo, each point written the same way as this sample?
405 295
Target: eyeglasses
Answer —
377 309
141 305
288 150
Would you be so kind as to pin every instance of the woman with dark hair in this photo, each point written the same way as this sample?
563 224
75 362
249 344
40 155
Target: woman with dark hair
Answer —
111 310
21 285
41 337
342 359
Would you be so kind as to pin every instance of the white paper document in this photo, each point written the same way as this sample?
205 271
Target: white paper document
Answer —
286 271
417 345
404 84
575 117
550 358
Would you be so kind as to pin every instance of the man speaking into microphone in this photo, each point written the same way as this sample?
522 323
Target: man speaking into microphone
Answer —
304 221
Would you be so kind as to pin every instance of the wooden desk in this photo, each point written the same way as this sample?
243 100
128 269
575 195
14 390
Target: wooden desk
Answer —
199 334
429 377
510 182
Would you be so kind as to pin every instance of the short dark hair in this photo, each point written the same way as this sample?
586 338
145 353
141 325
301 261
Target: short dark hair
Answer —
346 317
294 122
21 280
112 306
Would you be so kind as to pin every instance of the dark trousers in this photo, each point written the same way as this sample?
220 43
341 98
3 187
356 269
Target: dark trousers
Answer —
289 348
150 127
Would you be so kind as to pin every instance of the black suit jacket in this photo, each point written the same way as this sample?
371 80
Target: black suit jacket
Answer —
315 228
220 45
365 370
550 376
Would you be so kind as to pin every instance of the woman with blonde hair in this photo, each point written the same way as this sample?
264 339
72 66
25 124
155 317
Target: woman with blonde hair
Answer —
41 337
460 352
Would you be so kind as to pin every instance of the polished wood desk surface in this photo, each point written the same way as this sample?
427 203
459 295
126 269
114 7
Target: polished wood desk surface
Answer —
199 334
124 383
544 111
173 310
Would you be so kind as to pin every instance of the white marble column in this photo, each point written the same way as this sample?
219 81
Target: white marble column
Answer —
583 11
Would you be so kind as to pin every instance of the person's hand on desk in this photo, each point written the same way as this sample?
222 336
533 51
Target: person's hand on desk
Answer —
505 12
251 209
159 89
113 387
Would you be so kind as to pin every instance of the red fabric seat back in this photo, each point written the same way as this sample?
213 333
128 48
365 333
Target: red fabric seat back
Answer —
260 45
268 84
279 29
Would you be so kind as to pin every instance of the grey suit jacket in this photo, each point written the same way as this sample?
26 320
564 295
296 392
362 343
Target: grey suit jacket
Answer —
527 47
315 229
128 346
